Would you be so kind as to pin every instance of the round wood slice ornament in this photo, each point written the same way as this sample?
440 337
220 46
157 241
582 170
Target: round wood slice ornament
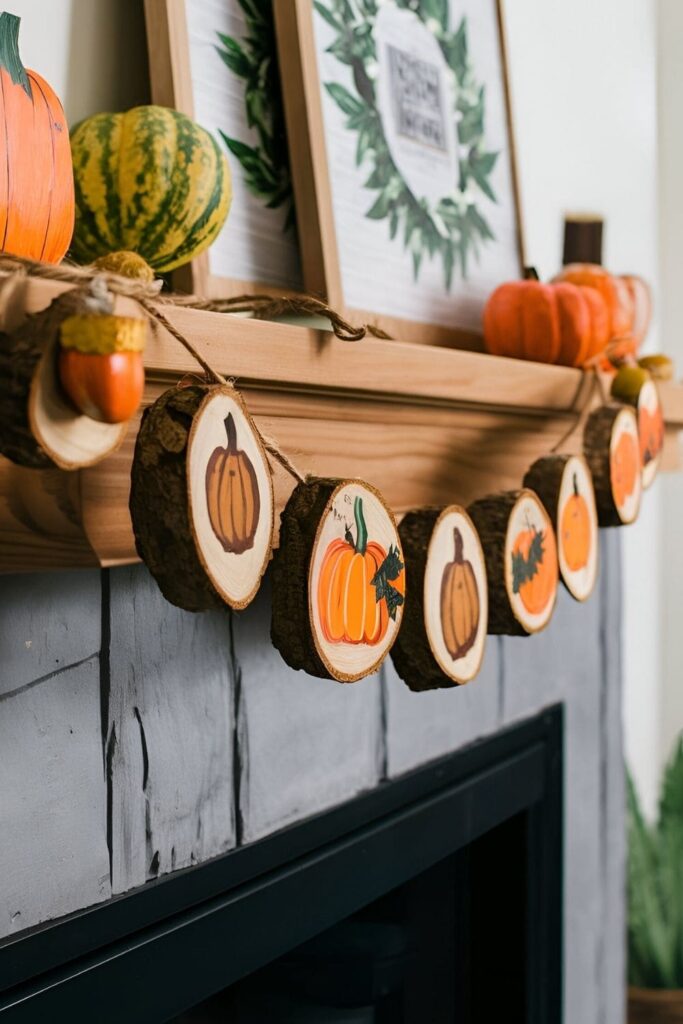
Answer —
39 426
442 638
565 486
202 498
612 450
650 431
521 560
338 580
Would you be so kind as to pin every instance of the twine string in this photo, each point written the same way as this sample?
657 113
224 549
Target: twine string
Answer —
582 413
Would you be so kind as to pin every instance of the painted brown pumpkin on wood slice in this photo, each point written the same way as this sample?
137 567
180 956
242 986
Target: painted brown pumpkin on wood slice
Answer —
338 580
202 509
565 486
36 172
39 425
519 545
443 634
612 449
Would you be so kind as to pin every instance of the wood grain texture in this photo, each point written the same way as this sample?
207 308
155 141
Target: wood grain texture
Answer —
169 741
304 744
54 858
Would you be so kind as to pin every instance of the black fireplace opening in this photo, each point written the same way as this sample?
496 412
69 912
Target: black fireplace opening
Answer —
435 898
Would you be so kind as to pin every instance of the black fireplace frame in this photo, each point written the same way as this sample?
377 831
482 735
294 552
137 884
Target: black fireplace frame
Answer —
153 953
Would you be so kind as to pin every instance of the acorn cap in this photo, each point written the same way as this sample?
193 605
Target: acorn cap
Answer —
103 334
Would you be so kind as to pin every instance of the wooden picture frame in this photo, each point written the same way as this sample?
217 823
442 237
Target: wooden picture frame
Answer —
172 44
313 188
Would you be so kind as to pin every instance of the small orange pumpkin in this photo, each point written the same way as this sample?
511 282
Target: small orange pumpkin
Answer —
624 469
549 323
347 599
534 568
232 494
575 530
616 296
459 603
36 183
107 388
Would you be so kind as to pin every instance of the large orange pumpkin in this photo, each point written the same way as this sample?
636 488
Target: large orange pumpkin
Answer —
624 469
347 599
575 530
534 568
549 323
36 174
232 494
615 293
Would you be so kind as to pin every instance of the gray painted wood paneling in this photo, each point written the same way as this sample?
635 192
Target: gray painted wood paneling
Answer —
169 747
53 839
306 743
424 726
47 622
565 663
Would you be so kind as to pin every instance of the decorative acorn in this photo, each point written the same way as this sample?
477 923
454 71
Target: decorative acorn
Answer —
100 364
338 580
611 447
39 426
442 638
202 512
519 545
564 485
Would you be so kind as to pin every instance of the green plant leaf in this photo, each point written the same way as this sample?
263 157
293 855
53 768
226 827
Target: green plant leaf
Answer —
347 103
389 570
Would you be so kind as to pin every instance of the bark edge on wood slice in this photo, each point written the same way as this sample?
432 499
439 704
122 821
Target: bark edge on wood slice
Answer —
443 634
521 560
338 580
201 498
612 449
565 486
39 426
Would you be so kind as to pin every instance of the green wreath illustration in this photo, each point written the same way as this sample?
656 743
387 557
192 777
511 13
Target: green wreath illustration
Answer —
455 229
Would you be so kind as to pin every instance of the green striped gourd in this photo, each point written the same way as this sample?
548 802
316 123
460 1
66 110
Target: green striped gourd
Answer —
151 181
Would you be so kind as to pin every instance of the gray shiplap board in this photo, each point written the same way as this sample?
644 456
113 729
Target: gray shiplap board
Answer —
53 803
48 621
613 833
424 726
306 743
169 733
565 663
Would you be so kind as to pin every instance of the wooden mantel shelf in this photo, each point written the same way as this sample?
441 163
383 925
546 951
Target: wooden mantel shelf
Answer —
425 425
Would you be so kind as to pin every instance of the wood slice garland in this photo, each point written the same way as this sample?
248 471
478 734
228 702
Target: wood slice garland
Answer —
650 431
611 447
565 486
39 427
338 580
443 635
521 560
201 498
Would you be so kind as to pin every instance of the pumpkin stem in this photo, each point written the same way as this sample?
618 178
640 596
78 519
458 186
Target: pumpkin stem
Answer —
231 431
10 60
361 528
459 549
531 274
576 486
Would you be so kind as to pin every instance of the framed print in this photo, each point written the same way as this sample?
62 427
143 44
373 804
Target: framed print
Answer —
216 61
402 159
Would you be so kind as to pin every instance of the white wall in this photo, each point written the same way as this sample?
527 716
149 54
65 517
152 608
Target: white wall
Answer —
583 80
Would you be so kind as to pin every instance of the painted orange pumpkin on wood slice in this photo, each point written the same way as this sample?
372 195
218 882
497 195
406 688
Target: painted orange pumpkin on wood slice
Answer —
443 635
650 431
202 498
338 580
36 181
612 449
519 543
565 486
